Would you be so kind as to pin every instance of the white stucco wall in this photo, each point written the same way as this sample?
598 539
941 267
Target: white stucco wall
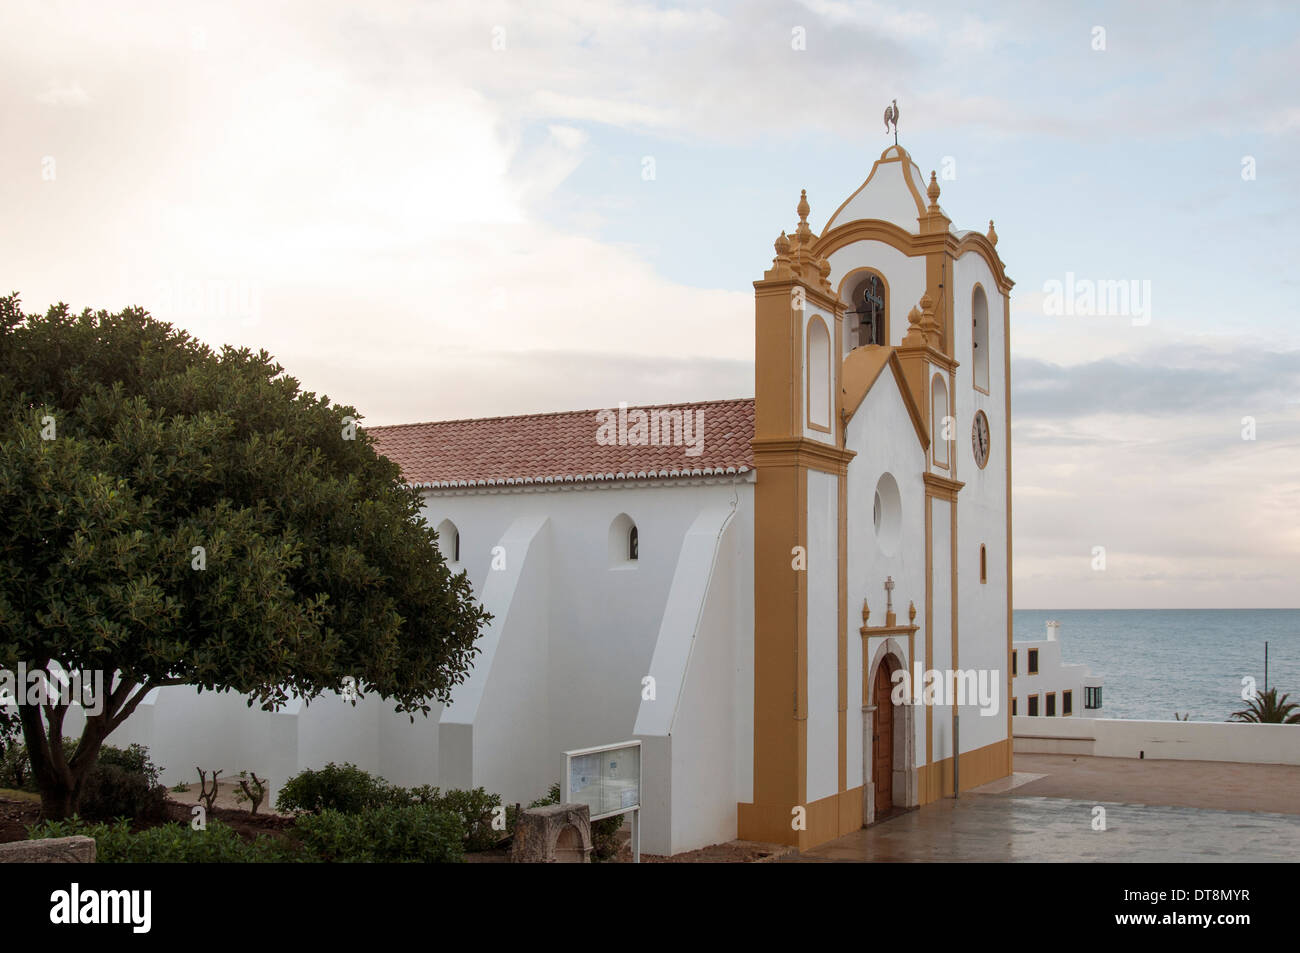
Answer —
695 730
561 665
886 196
1168 740
884 439
981 518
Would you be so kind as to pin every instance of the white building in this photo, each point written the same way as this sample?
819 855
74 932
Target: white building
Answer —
720 593
1043 685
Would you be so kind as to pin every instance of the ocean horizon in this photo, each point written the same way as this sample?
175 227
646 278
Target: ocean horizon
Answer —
1155 662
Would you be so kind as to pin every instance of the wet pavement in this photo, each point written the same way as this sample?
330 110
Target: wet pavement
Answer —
1012 820
1047 829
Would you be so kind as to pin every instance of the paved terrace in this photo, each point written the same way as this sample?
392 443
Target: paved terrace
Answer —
1167 811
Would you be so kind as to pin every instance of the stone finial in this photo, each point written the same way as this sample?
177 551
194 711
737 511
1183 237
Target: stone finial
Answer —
933 191
914 317
992 235
866 611
803 232
781 263
911 612
927 303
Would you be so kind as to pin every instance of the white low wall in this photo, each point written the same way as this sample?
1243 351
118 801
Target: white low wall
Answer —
1168 740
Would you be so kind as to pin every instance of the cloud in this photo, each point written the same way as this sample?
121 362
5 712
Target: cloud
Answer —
69 95
1168 381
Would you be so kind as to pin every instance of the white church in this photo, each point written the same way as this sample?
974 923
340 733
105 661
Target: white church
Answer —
733 583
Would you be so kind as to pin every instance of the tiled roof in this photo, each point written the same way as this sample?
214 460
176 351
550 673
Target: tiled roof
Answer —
571 446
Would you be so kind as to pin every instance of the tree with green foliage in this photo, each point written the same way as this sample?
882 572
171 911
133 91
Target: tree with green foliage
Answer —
171 514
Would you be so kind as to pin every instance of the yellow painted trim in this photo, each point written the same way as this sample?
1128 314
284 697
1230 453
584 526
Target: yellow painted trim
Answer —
977 767
1006 376
861 369
929 619
952 562
827 818
941 487
801 452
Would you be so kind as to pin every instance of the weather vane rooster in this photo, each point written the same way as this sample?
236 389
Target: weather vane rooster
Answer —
891 115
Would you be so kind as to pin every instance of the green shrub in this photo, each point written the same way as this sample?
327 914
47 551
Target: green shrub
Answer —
344 788
169 843
123 783
134 759
347 789
16 769
111 792
412 833
476 810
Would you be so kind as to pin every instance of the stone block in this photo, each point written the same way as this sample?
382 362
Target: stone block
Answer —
49 850
554 834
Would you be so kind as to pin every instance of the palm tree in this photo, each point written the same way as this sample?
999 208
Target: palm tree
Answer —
1266 709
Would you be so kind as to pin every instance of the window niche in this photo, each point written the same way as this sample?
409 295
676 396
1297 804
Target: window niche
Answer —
449 541
624 543
867 312
980 338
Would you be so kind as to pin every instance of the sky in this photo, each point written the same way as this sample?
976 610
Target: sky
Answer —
442 210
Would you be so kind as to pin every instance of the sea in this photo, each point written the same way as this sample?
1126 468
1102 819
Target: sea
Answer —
1158 662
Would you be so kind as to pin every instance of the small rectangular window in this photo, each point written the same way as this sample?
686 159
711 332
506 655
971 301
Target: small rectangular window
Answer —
1051 704
1033 661
1092 697
1014 653
1067 702
1013 706
1033 705
984 564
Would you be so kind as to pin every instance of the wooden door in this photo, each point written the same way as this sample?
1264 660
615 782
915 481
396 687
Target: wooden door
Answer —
882 742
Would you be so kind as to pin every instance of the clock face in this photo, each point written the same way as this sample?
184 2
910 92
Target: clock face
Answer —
979 438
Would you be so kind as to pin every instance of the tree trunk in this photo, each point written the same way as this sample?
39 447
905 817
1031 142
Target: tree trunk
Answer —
59 802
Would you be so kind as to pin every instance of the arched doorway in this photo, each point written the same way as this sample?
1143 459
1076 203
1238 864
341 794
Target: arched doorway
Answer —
882 741
889 779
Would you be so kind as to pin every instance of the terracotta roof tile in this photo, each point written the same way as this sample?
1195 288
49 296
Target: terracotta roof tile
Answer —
569 446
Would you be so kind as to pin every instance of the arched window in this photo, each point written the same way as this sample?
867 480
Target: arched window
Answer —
867 314
819 374
449 541
939 431
980 338
624 542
